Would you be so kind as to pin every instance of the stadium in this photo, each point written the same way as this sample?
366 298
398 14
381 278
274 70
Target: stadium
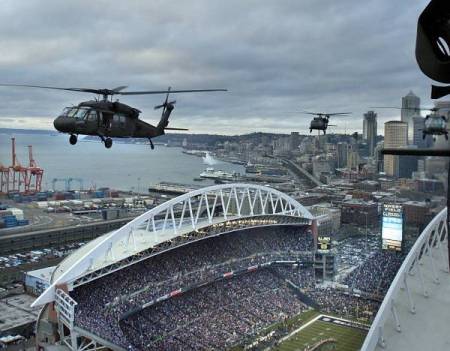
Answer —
224 267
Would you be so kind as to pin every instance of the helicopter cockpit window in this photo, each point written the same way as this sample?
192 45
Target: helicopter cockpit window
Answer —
92 115
436 122
75 112
81 112
69 111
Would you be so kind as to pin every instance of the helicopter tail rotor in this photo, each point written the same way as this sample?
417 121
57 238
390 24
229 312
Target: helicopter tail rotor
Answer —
166 102
167 107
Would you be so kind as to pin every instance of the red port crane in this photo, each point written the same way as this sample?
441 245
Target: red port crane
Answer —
19 179
34 174
18 173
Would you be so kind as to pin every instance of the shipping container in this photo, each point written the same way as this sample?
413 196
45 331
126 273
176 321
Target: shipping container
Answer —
23 222
99 194
59 196
17 212
4 213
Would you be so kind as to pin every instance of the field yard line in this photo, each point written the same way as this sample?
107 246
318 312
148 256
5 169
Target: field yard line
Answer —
302 327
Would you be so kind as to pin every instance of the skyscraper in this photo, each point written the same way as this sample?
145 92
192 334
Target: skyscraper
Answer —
342 150
370 124
294 141
410 109
364 128
353 157
395 135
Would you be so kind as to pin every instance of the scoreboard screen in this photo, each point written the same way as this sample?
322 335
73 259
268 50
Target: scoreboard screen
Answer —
392 227
324 243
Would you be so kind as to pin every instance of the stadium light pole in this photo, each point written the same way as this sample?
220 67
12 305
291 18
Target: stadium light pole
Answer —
428 152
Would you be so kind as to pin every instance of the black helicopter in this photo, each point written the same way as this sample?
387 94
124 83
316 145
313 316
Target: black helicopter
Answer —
434 124
320 122
106 119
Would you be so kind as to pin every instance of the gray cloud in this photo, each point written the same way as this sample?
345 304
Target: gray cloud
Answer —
276 57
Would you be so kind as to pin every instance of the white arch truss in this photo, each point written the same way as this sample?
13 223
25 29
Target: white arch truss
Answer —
183 214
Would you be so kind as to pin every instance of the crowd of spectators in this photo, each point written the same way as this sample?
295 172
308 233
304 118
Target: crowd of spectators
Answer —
102 301
301 277
374 275
343 303
215 316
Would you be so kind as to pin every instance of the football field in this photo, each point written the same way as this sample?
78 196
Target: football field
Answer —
347 338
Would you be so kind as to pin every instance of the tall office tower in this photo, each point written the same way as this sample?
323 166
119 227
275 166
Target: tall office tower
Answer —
294 141
395 135
342 150
353 157
410 109
379 157
370 124
364 128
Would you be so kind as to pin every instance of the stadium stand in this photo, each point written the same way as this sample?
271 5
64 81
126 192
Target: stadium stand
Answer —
375 275
102 302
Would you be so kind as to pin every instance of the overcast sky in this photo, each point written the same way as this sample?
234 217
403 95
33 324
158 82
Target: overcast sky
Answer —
275 57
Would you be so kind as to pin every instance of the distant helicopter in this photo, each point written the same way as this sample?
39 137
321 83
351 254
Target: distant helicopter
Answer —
434 123
107 119
320 122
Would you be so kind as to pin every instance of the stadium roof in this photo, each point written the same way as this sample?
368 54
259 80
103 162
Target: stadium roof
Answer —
220 203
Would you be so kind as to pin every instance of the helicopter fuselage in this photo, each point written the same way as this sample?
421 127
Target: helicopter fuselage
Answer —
435 125
106 119
319 123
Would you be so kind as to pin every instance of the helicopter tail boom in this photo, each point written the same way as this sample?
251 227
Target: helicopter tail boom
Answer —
169 128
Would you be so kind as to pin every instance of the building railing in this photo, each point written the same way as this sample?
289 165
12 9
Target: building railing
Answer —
65 306
430 249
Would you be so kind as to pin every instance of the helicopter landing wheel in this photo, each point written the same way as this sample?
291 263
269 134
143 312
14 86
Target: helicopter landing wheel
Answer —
151 144
73 139
446 136
108 143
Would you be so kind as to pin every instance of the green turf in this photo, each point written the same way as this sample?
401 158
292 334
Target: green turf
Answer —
292 324
296 321
347 339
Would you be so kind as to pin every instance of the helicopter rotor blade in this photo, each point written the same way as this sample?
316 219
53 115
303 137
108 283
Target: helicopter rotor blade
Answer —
312 113
167 95
173 102
338 114
167 91
119 88
326 114
115 91
85 90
